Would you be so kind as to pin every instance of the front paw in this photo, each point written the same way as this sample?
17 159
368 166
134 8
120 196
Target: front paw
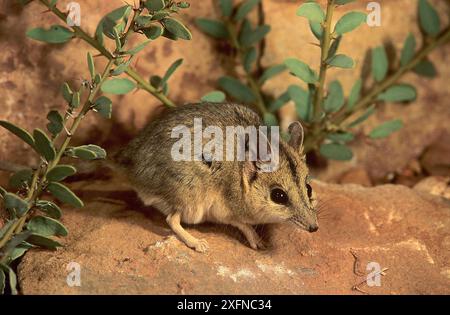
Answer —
258 243
200 246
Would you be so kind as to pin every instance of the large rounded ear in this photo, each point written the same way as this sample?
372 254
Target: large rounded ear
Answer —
296 135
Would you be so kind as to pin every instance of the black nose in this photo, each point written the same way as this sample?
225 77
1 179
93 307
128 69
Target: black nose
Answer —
313 228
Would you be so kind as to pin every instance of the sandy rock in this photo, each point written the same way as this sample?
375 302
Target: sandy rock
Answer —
435 185
122 247
436 159
356 176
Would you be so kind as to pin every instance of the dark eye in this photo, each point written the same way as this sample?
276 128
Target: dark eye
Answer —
279 196
309 190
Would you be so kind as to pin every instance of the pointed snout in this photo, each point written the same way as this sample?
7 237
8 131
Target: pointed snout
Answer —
313 228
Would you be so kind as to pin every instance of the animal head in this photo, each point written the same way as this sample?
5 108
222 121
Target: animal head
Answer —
284 194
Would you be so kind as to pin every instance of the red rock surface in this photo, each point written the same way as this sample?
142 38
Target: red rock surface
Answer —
127 249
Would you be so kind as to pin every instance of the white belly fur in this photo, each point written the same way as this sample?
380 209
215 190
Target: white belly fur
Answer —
207 208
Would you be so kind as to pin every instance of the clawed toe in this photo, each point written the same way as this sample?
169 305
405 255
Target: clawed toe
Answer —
201 246
258 244
261 244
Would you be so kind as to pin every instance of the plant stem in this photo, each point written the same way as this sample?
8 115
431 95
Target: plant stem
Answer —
38 178
80 33
372 94
248 75
311 141
325 47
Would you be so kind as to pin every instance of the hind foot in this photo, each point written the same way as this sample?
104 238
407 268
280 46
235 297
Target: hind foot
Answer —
174 221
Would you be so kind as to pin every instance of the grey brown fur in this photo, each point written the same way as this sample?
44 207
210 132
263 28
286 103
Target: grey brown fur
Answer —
228 192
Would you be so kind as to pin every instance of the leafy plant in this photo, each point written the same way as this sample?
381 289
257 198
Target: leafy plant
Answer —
34 221
329 117
247 47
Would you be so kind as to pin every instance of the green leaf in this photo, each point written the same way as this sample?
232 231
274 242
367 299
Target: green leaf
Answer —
91 65
12 278
279 102
342 2
386 129
14 202
271 72
301 100
214 97
336 151
246 30
155 5
64 194
169 35
116 20
143 20
245 8
15 241
56 122
60 172
409 49
429 18
369 112
236 89
173 67
75 102
214 28
46 226
103 106
349 22
177 28
42 241
334 47
355 94
138 48
19 250
158 16
81 153
49 208
312 11
341 61
426 68
87 152
99 33
335 99
226 6
399 93
341 137
380 63
18 132
121 68
67 92
156 81
120 13
44 145
116 34
248 39
270 119
249 58
316 29
20 178
153 31
118 86
301 70
56 34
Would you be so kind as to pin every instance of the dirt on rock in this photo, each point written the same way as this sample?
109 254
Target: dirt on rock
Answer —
122 247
